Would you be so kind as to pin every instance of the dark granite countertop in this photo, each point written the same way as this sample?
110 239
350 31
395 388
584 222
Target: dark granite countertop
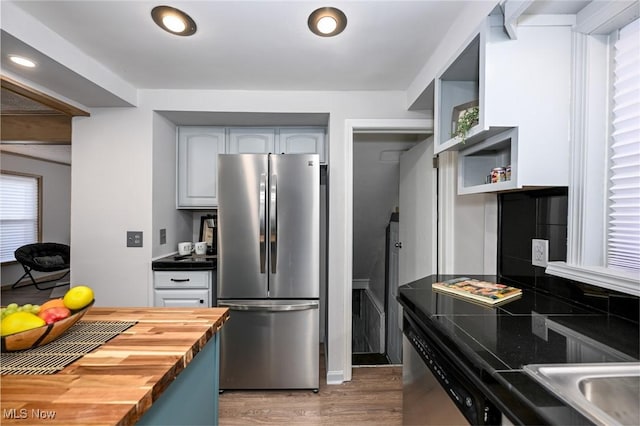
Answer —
192 262
538 328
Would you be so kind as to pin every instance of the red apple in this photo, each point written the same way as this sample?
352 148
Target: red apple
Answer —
54 314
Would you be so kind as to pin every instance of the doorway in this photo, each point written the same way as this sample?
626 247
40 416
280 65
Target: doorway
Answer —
376 330
36 141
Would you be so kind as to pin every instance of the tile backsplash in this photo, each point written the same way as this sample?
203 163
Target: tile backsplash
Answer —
542 214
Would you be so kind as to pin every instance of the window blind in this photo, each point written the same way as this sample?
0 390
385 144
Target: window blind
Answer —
18 213
623 240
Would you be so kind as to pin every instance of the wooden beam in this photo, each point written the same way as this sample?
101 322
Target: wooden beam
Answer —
40 128
43 98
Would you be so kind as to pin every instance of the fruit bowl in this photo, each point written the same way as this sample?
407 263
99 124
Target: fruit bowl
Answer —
40 336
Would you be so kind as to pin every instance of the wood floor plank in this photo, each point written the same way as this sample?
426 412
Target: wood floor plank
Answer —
373 397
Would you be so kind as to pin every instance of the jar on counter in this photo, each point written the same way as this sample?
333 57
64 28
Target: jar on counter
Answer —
498 175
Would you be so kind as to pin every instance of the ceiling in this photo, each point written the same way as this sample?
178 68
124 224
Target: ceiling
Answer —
239 45
254 45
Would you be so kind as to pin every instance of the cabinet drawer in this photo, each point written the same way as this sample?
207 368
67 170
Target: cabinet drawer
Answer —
182 279
182 298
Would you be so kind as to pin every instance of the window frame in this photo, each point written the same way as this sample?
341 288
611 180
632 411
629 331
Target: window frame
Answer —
38 179
589 168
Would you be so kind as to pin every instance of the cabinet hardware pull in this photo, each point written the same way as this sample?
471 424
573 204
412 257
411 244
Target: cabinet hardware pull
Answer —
179 280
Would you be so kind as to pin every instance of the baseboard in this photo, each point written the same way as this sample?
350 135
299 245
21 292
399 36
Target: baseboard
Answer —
335 377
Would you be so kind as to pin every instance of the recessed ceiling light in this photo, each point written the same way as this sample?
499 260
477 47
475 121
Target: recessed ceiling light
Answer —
22 61
173 20
327 21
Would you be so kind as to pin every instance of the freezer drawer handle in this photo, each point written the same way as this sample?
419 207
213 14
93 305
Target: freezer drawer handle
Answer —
180 280
269 308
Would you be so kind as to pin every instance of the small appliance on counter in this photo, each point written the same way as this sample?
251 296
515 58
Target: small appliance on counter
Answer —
209 232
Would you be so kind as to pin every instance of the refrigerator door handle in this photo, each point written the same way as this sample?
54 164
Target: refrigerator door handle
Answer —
268 308
262 218
273 222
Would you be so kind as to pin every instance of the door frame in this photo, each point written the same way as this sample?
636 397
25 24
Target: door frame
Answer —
407 126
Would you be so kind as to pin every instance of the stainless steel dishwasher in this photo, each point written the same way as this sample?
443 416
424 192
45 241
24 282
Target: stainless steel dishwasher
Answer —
434 390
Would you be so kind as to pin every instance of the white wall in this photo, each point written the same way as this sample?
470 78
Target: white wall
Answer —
111 183
177 223
56 203
468 226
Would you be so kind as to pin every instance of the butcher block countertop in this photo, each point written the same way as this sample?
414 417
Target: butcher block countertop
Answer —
119 381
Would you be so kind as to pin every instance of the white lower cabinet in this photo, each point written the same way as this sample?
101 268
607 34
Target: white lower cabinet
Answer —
181 298
182 288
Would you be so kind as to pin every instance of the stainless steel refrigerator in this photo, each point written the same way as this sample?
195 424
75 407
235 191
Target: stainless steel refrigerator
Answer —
268 270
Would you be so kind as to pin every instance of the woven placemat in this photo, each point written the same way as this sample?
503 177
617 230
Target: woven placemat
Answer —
82 338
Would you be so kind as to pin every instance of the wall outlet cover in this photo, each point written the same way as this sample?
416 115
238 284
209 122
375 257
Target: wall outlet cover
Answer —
539 252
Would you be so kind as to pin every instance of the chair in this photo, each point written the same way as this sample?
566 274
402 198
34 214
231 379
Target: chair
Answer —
43 257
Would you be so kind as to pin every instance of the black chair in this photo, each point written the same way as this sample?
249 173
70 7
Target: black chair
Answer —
43 257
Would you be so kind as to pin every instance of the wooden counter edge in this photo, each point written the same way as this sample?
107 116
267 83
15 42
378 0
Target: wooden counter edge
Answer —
213 317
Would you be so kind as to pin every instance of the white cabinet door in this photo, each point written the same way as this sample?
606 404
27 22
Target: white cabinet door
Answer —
302 140
182 298
248 140
198 149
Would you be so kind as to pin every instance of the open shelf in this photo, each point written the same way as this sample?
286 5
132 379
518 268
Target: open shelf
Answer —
457 85
476 163
522 88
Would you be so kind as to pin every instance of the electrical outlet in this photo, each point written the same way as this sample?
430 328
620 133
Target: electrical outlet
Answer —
134 238
539 252
163 236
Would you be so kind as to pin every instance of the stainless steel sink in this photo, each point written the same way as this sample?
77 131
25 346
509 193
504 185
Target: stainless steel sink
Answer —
607 393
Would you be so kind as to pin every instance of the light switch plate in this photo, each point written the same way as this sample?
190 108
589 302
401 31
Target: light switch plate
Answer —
539 252
134 238
163 236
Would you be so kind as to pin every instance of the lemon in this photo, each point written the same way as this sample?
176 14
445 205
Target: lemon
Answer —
20 321
78 297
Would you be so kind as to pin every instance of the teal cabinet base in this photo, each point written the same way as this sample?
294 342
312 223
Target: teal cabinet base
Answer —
192 399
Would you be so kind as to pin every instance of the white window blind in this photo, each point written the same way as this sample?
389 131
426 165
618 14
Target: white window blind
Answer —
18 213
623 241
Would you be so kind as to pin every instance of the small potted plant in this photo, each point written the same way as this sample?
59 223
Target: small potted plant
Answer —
467 120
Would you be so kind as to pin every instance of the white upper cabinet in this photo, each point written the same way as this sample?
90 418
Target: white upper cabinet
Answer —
302 140
522 90
249 140
199 146
198 149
